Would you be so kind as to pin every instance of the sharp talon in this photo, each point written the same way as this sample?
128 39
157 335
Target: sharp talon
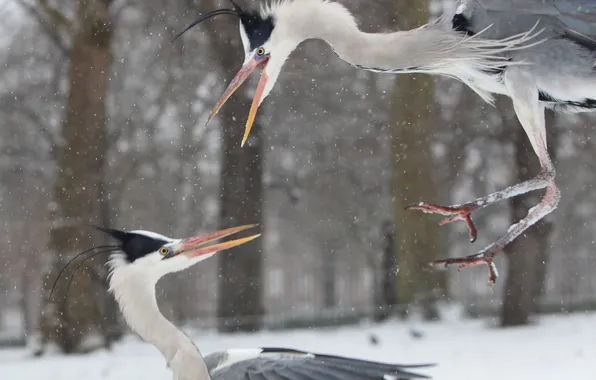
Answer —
471 228
448 220
453 213
485 257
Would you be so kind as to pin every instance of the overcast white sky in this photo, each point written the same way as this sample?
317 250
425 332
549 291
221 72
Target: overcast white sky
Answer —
12 19
11 15
9 8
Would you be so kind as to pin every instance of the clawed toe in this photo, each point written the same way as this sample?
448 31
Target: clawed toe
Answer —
548 203
454 213
484 257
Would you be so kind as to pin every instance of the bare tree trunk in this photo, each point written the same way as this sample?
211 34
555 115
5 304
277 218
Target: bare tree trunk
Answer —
527 254
77 191
547 224
24 305
329 267
417 238
240 302
111 328
387 295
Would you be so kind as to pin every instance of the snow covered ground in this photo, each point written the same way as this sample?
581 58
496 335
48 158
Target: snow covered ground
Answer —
558 347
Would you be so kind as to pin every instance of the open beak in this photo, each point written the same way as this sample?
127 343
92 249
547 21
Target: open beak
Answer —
243 74
196 246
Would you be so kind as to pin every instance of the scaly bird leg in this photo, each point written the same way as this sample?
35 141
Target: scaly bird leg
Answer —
547 205
464 211
522 88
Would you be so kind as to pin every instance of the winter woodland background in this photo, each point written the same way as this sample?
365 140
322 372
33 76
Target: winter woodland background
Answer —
103 123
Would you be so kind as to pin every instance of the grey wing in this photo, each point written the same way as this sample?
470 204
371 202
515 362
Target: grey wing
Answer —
574 18
579 17
298 365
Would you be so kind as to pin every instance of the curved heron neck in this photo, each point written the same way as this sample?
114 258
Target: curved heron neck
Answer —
415 50
135 293
433 48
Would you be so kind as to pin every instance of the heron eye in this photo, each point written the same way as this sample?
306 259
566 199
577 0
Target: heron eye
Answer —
260 51
164 251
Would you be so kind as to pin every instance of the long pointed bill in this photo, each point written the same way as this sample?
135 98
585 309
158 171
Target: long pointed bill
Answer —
196 246
242 75
256 101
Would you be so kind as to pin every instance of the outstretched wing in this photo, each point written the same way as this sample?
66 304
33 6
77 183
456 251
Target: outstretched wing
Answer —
579 16
574 18
284 364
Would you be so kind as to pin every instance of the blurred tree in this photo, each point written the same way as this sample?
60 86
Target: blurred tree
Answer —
527 255
240 303
417 237
386 295
78 190
328 144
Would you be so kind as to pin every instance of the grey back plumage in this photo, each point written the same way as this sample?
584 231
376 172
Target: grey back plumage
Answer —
214 360
579 16
575 19
283 364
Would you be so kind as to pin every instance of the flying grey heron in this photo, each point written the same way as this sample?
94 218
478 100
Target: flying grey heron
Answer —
141 258
489 45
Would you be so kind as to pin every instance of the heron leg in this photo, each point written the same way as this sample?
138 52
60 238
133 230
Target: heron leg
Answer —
465 210
530 113
545 179
485 256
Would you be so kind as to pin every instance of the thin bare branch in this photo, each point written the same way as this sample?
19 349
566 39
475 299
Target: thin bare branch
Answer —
47 26
13 102
55 15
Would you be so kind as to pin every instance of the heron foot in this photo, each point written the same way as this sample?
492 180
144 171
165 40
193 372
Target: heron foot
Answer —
548 203
483 257
453 213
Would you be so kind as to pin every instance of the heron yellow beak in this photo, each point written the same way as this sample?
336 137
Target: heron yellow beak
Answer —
195 246
243 74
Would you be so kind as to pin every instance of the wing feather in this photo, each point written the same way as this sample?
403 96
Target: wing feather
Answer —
257 376
579 17
302 373
276 374
543 7
297 365
316 371
357 370
574 19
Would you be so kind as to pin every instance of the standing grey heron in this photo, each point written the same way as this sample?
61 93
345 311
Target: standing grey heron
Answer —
141 258
489 45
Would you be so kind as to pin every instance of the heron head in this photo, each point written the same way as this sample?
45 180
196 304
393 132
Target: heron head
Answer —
266 47
158 255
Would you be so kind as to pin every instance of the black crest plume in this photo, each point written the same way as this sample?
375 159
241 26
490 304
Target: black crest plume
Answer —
90 254
134 245
116 234
236 11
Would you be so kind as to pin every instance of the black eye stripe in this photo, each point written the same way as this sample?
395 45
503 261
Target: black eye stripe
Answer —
257 29
139 246
134 245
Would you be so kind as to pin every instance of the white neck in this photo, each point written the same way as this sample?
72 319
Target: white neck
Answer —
433 48
135 293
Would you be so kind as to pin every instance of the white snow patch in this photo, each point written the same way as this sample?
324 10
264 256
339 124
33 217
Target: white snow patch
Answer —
558 347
